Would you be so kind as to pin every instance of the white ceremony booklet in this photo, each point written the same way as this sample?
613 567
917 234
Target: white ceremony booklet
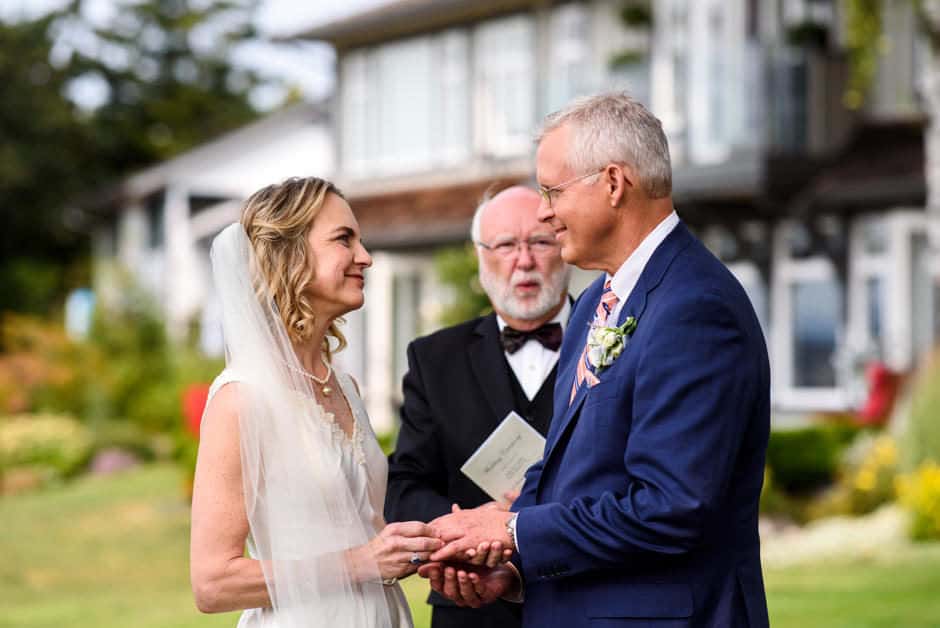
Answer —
499 464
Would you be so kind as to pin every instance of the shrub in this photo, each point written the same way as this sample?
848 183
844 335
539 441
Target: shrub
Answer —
129 437
920 493
57 444
772 501
41 369
807 458
869 473
921 439
457 268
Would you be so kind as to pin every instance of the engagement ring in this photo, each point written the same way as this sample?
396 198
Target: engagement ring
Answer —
415 560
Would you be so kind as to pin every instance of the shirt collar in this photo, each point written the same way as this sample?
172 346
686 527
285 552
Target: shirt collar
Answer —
624 280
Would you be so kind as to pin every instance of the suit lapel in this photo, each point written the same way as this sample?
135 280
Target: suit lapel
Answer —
490 368
573 344
649 279
652 274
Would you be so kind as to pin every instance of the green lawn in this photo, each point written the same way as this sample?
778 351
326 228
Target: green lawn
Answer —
112 552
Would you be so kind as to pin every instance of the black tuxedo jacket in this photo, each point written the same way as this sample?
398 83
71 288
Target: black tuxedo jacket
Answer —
458 388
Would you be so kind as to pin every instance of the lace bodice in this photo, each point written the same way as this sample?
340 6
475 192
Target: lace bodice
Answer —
364 468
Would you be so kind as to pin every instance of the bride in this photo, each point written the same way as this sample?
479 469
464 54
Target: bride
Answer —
288 463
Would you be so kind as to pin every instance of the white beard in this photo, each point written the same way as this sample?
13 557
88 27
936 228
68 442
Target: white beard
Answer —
501 294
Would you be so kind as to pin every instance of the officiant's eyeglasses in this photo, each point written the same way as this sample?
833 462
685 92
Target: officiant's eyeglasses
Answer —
537 245
546 193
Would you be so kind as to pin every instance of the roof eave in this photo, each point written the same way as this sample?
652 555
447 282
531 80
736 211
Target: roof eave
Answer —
406 18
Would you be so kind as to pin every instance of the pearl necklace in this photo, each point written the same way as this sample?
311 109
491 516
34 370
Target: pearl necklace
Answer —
322 382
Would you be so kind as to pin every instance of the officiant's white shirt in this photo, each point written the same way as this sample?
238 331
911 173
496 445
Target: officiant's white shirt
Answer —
533 362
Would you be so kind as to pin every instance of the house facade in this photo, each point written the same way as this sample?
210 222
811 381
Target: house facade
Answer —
817 208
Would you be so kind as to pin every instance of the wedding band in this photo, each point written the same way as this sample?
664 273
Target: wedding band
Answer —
415 560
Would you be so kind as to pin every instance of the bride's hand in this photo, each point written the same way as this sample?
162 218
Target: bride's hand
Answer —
489 554
395 546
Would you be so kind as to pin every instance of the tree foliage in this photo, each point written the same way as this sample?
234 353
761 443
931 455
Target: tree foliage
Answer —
864 42
164 84
457 269
169 83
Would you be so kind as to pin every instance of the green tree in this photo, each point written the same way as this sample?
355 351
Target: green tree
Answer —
164 66
457 269
162 71
46 155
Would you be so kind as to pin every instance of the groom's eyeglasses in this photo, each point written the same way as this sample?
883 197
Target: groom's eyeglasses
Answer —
537 245
546 193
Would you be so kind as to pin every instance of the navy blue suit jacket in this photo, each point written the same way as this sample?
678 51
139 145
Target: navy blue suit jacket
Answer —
643 510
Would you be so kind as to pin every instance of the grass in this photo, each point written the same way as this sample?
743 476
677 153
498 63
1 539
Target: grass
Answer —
889 591
112 552
106 553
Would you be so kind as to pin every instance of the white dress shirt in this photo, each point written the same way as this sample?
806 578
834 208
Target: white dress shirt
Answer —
624 280
533 362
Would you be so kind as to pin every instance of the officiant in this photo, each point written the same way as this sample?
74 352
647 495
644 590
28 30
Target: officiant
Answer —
464 380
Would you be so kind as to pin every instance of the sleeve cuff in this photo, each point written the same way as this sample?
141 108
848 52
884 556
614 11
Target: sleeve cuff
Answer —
519 597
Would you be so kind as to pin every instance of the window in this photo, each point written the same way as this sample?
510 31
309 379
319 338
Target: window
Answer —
717 84
404 83
155 220
405 105
816 321
874 302
406 295
200 203
712 96
808 335
358 119
925 293
504 67
452 119
568 72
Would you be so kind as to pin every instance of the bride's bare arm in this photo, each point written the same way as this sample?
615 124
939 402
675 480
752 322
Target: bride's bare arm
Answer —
222 578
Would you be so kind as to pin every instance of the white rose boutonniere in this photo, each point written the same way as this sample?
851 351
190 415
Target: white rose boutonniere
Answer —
605 344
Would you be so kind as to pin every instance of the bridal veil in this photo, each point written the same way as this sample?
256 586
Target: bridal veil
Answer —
300 509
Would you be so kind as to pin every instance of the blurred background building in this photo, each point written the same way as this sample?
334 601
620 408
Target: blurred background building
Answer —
818 208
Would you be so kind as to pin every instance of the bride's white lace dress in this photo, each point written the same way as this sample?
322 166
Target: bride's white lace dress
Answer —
365 469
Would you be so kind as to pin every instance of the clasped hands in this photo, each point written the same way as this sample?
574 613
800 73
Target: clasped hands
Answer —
471 568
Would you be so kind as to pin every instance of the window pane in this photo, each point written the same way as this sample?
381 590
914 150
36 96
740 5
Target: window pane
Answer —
717 90
155 227
407 299
405 75
357 117
816 315
505 66
453 125
874 303
874 236
569 67
922 291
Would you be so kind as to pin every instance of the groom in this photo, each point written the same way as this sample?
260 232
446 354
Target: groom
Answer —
643 510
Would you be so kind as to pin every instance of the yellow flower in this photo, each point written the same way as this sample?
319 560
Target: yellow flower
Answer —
865 480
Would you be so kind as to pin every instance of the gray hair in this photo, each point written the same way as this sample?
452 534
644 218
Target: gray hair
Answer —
477 215
614 128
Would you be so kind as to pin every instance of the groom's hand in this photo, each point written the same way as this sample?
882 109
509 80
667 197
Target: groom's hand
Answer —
470 585
465 530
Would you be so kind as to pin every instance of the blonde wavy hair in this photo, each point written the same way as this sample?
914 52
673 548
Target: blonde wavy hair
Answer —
277 219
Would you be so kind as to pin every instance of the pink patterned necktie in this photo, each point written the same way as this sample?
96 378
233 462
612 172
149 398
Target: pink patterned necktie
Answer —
607 304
